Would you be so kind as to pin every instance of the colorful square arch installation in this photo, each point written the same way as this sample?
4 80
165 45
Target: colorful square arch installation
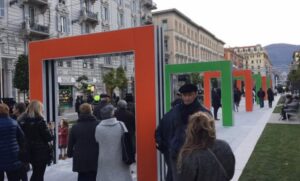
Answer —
257 80
140 41
225 67
245 74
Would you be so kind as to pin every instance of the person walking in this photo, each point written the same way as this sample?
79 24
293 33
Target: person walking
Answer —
127 117
216 102
261 96
237 95
104 100
170 134
270 96
11 139
17 114
82 145
63 131
203 157
108 135
38 137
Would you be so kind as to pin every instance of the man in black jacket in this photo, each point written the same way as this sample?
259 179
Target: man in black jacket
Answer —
170 134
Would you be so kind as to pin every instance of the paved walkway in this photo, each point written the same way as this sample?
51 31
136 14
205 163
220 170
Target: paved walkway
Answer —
242 138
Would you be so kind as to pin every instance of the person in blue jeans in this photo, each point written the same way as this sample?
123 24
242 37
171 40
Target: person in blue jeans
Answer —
261 96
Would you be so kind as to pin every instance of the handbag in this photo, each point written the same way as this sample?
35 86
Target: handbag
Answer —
128 155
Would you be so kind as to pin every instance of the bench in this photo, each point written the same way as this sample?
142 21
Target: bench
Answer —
292 109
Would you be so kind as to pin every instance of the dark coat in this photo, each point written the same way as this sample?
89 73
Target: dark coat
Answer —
201 165
82 145
127 118
237 94
270 95
261 94
216 99
97 109
170 133
38 137
11 136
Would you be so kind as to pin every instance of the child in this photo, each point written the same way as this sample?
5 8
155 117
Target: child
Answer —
63 131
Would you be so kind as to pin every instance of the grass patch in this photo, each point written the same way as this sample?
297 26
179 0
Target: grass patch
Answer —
277 109
276 155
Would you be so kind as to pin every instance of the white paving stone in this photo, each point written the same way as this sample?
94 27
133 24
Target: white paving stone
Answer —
242 138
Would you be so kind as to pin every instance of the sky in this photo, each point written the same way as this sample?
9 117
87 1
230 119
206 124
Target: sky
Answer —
243 22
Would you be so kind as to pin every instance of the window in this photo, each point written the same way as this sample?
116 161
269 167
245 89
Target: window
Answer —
134 6
63 24
166 44
87 28
1 8
91 65
60 63
105 13
121 19
120 2
84 65
31 15
165 24
107 60
62 1
69 64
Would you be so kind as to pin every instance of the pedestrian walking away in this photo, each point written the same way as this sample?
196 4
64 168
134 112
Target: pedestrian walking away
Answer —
203 157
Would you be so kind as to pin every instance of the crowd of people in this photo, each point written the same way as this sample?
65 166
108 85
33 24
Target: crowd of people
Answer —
94 141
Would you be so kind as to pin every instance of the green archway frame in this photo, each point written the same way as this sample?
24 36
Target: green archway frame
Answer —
258 81
225 68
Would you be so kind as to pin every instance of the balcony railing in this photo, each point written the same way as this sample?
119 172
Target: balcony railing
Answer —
36 2
150 4
34 29
89 16
147 19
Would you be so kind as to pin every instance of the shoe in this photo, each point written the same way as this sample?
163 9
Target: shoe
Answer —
217 119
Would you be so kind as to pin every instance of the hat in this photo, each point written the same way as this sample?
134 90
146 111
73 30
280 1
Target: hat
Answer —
188 88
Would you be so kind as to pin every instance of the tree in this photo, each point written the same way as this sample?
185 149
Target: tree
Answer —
82 83
115 78
294 77
21 77
196 79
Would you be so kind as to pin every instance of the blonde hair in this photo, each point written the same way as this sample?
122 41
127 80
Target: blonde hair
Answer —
35 109
200 134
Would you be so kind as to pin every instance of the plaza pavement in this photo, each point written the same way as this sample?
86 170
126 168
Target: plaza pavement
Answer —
242 138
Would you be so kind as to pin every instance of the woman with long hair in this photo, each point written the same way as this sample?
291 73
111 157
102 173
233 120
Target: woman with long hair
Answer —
203 157
38 137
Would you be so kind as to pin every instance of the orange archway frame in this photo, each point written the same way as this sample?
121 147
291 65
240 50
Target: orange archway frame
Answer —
140 41
246 74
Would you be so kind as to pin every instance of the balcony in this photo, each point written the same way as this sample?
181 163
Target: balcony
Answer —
149 4
147 19
41 3
35 30
89 16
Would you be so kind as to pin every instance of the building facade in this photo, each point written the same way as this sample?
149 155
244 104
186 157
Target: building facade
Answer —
237 60
186 41
22 21
255 58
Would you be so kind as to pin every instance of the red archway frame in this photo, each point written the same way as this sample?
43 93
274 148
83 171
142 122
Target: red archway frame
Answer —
246 74
140 41
264 85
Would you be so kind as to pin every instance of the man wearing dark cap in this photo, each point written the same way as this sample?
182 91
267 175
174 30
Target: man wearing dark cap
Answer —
170 134
104 100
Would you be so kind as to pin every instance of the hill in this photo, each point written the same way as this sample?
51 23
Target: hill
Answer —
281 55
